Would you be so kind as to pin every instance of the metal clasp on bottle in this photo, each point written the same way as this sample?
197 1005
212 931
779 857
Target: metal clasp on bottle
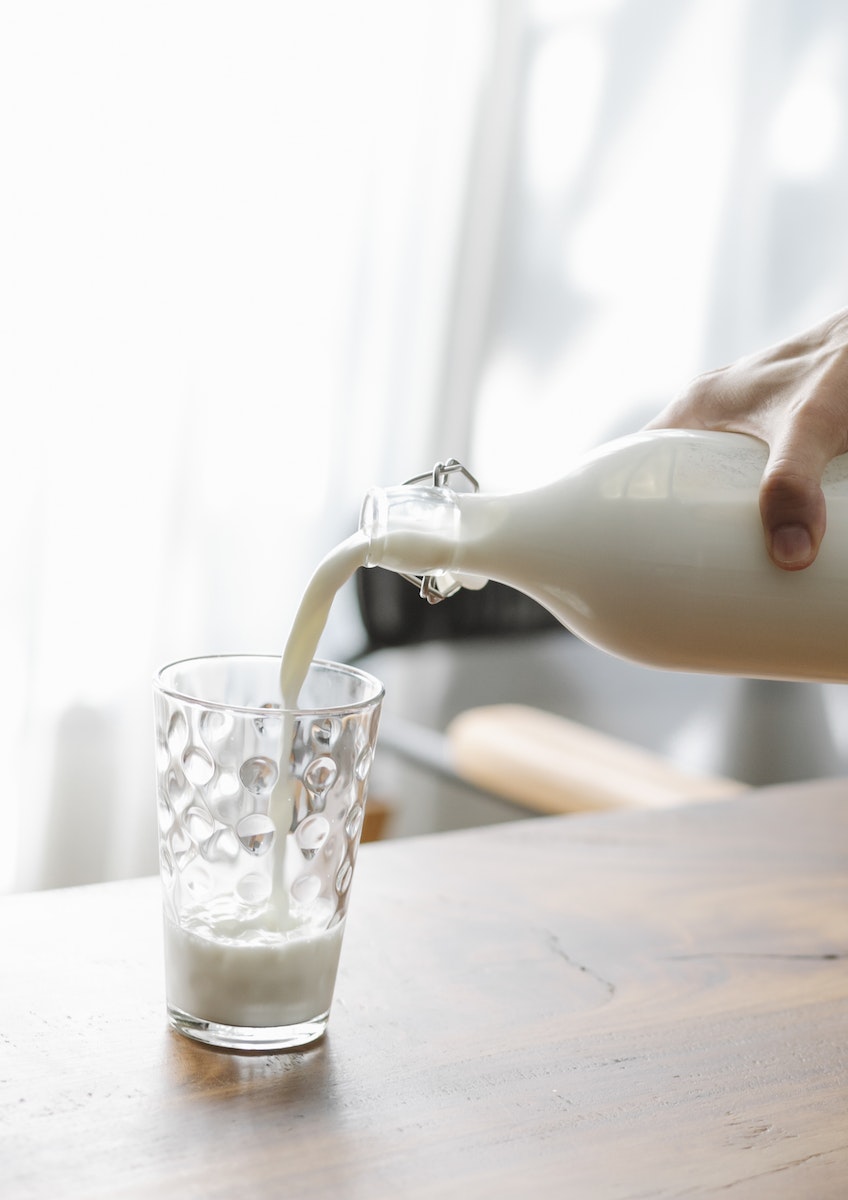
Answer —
435 588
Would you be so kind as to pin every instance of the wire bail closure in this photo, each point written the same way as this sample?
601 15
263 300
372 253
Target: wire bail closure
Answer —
435 588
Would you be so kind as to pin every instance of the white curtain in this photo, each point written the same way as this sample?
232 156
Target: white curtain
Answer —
255 257
676 186
227 237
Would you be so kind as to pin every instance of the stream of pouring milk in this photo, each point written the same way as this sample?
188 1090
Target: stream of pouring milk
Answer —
309 622
273 964
312 613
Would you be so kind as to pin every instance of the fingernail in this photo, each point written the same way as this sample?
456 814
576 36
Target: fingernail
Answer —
791 544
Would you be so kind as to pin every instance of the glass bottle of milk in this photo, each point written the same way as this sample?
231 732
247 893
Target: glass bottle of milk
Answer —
651 548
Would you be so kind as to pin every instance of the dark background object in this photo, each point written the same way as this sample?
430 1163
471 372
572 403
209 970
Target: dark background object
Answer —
394 614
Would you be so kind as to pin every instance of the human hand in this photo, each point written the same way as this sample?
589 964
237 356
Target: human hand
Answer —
794 397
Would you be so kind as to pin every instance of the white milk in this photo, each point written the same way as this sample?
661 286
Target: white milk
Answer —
224 973
310 619
276 966
651 548
312 613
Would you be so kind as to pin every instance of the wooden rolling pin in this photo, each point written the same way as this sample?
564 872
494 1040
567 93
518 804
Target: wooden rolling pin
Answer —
553 765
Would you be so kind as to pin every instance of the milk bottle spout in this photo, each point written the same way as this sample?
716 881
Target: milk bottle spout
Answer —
415 530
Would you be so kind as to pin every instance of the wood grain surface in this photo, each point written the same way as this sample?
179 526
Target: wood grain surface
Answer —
622 1005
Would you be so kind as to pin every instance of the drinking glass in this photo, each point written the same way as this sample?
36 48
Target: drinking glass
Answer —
260 811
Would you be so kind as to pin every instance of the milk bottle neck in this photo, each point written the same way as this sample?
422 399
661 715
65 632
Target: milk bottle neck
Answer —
426 533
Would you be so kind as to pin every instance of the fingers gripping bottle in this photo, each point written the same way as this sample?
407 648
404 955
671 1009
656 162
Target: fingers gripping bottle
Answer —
651 548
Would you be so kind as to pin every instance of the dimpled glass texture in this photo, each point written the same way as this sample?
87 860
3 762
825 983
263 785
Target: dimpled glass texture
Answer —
223 744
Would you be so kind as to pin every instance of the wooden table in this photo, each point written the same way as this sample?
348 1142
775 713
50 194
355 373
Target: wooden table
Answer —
640 1005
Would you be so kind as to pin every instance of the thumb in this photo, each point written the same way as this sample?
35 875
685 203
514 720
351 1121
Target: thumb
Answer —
792 504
